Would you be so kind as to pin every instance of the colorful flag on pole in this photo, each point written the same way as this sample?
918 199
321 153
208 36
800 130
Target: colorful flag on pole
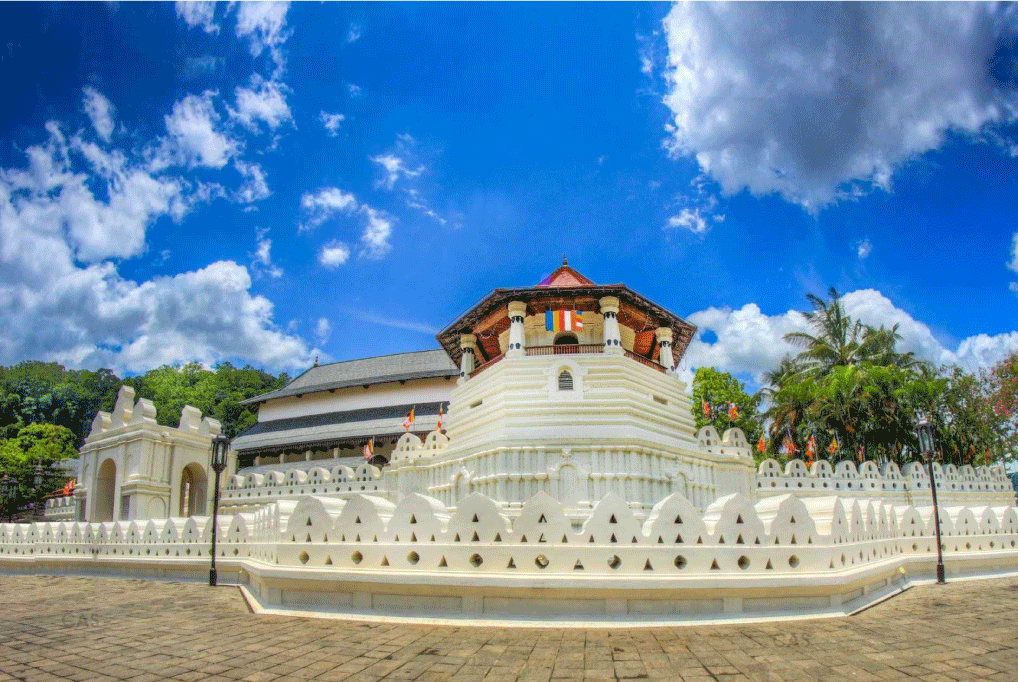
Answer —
408 422
811 448
369 449
833 447
706 410
563 320
862 449
439 426
761 445
733 411
790 446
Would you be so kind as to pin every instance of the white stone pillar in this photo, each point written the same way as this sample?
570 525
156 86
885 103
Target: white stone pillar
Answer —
307 455
517 313
612 336
468 344
664 342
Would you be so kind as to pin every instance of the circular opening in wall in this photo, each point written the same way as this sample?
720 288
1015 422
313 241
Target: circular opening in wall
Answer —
541 561
680 562
793 561
744 562
413 558
614 562
236 551
476 560
992 544
304 557
968 545
356 557
166 551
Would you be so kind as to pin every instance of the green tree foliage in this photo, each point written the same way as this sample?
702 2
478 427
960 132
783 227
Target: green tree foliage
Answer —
36 444
717 389
850 381
45 392
217 393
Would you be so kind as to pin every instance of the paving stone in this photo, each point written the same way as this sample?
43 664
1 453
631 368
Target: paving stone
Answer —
62 628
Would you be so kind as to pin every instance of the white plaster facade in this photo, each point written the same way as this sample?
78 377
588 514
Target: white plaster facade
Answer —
130 467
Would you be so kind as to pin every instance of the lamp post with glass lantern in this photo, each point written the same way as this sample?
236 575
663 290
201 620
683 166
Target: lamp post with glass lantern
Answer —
924 430
220 446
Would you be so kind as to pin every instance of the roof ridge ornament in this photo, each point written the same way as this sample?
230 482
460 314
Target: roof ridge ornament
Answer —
565 261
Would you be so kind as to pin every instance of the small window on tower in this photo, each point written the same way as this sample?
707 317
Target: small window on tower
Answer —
565 381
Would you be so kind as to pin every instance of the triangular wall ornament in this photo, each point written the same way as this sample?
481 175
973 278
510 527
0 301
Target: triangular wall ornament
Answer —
678 519
647 566
413 519
612 519
328 560
385 561
542 519
309 522
475 519
498 537
475 538
442 563
714 566
511 564
769 566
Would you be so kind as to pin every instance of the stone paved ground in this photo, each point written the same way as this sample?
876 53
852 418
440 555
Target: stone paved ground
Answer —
59 628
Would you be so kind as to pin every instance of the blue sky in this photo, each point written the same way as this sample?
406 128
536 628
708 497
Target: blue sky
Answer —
267 183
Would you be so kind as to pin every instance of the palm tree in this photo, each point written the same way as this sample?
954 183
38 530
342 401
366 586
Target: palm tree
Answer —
838 340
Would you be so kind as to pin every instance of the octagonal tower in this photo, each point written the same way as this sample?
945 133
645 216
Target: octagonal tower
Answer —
568 387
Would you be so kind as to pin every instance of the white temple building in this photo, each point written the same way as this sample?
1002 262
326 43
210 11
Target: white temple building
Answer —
567 481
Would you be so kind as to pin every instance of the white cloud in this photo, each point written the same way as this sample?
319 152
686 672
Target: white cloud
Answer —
353 34
264 101
332 122
749 341
333 254
198 13
1013 264
264 24
395 168
324 204
332 201
255 186
864 248
377 233
690 219
100 111
818 101
62 298
195 136
387 321
354 89
322 331
262 263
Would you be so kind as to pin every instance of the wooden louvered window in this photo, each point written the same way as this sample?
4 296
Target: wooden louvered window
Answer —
565 381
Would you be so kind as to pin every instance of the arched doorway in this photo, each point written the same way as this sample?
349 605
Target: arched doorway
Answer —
105 491
566 339
193 484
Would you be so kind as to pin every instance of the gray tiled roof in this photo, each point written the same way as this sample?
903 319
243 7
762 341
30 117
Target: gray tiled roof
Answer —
378 370
336 426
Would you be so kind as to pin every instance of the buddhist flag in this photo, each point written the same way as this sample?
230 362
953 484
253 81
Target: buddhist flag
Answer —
790 446
706 410
833 447
439 426
369 449
408 422
811 448
761 445
733 412
563 320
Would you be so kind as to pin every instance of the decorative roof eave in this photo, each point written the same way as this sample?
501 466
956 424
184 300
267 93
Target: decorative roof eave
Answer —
326 443
467 323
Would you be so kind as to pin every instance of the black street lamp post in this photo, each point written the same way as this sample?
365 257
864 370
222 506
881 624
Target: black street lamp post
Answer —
6 494
924 430
220 446
40 504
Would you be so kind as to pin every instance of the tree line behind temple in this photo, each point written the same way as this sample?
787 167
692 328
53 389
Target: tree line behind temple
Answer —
46 411
848 389
851 393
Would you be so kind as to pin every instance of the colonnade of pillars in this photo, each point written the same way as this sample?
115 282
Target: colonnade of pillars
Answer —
609 308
